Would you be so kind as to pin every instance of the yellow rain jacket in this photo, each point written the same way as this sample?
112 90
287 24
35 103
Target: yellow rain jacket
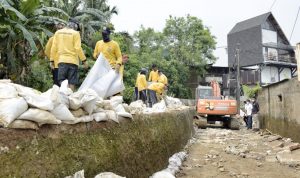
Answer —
157 87
153 76
67 45
163 79
48 52
141 82
110 50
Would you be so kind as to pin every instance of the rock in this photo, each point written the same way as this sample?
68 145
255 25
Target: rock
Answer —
273 138
222 169
215 164
276 143
259 164
232 174
292 146
271 159
289 158
269 152
245 174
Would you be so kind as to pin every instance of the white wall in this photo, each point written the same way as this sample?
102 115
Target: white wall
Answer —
269 74
286 74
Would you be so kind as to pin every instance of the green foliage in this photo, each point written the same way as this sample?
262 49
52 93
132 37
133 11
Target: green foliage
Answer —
251 92
39 75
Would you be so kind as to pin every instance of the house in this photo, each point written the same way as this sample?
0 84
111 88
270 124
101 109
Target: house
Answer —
266 55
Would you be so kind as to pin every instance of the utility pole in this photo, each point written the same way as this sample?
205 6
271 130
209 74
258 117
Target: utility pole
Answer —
238 88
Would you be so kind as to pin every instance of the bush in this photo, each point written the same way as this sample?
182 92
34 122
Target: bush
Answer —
251 92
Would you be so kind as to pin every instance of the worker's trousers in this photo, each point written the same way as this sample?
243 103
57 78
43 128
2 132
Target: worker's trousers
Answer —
152 97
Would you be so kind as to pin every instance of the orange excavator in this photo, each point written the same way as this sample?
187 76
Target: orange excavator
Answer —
212 107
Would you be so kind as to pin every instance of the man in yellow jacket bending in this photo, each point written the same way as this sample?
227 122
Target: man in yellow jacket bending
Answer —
54 62
111 51
67 44
162 78
154 89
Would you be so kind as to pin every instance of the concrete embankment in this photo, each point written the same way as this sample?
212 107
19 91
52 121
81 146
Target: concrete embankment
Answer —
280 108
134 149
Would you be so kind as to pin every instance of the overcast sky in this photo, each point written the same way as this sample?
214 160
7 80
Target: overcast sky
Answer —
219 15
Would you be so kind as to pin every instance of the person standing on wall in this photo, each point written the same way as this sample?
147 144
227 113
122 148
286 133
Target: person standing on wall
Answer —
111 51
54 61
142 85
67 45
248 108
255 110
153 76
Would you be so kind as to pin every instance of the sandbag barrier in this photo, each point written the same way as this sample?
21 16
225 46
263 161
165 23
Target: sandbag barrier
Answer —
133 148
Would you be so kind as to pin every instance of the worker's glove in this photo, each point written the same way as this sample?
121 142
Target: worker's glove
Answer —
51 65
117 68
85 64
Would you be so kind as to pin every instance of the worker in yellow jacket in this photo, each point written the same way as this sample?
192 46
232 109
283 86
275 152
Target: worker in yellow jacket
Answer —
153 76
154 89
111 51
54 63
67 45
162 78
142 85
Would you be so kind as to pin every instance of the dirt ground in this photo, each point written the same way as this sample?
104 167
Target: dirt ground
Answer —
222 153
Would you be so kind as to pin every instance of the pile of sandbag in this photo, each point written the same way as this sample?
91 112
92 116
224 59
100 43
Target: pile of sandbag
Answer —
25 108
80 174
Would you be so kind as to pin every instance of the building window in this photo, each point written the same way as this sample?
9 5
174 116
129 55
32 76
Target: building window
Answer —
269 36
270 54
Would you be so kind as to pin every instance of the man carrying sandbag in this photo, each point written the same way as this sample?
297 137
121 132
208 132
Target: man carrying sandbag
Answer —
155 89
67 44
111 51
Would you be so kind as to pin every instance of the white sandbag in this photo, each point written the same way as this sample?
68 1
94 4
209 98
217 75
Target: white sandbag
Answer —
137 104
75 100
173 102
25 90
7 91
64 88
86 118
88 101
159 107
39 116
105 104
5 81
79 174
112 115
23 124
53 95
61 112
101 116
79 112
103 84
108 175
38 101
11 109
72 122
64 99
98 109
162 174
119 108
116 100
99 69
117 86
124 114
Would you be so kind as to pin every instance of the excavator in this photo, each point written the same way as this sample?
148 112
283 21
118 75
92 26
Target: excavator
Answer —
212 107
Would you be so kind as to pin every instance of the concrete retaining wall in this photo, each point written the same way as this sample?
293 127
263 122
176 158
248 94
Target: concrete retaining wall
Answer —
280 108
134 149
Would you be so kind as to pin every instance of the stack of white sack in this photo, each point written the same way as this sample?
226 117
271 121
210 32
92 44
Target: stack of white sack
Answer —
173 103
80 174
137 107
175 163
25 108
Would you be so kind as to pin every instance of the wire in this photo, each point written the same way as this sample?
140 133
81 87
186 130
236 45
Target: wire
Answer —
272 5
295 24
